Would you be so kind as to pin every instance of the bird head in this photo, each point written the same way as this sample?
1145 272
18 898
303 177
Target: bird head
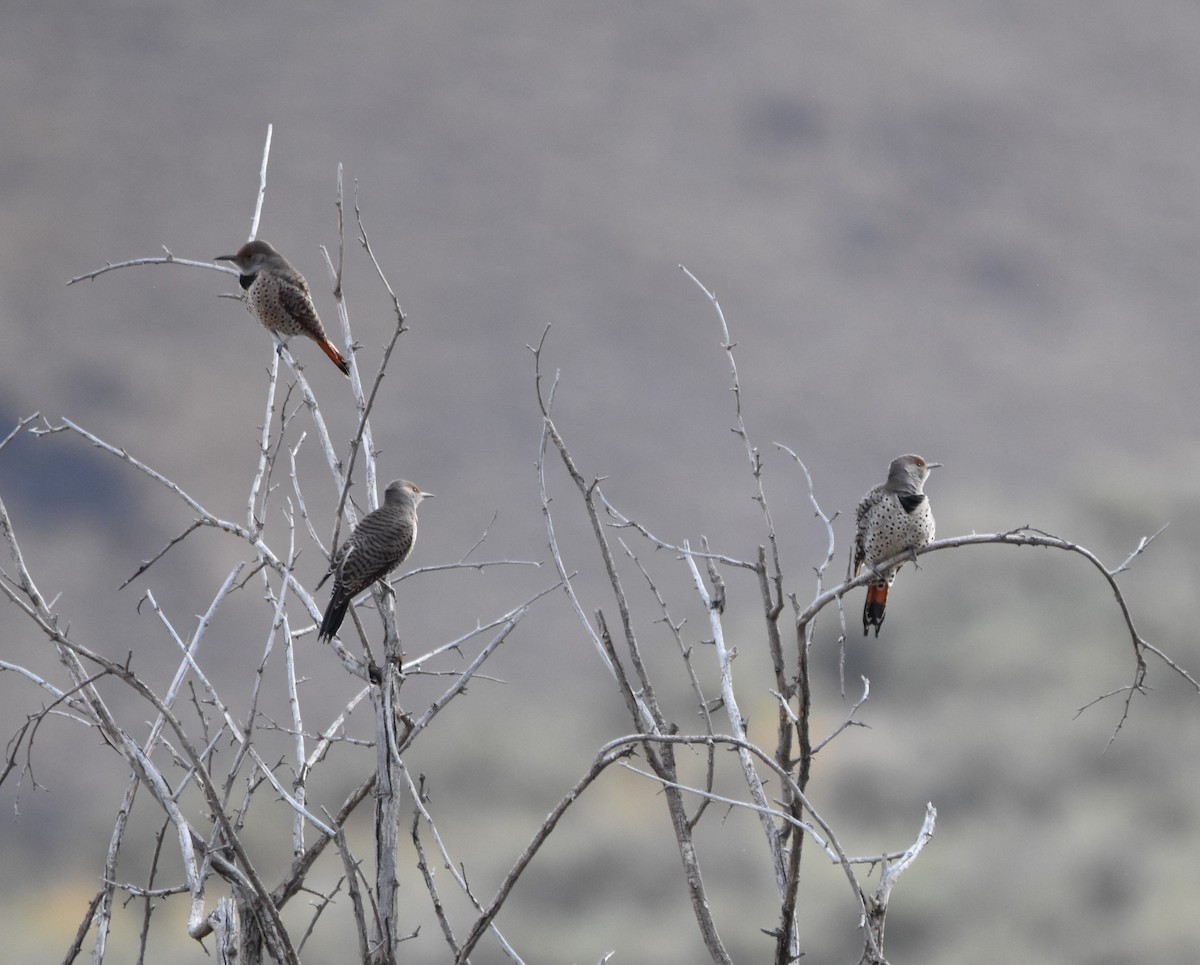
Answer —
908 473
401 492
252 257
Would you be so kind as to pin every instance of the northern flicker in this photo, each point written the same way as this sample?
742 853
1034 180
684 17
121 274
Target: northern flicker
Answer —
277 295
893 517
379 544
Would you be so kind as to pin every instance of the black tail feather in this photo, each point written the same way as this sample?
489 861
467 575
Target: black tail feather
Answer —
335 613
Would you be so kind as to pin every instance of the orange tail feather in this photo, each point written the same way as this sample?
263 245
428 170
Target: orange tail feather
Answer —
338 358
874 607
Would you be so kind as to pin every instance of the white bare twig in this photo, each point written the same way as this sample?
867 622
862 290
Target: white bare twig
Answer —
725 659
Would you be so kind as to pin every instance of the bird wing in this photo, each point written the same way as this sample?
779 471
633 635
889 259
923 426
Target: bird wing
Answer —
861 514
297 303
376 551
336 563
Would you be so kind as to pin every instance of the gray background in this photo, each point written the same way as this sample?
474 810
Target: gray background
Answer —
965 229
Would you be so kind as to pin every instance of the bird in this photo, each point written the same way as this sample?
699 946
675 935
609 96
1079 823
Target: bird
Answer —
379 543
891 518
278 296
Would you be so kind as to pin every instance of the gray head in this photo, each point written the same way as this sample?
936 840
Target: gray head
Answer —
401 493
253 256
908 474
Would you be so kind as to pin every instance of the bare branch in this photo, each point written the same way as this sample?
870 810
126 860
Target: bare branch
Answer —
167 259
725 659
146 564
613 751
849 721
262 184
892 870
1022 536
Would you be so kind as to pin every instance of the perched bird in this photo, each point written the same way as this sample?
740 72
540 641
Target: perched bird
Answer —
277 295
893 517
379 544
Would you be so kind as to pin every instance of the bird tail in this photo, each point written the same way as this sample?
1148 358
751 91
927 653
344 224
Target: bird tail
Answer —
874 607
337 357
335 613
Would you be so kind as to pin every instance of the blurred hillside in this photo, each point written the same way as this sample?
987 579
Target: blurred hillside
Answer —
962 229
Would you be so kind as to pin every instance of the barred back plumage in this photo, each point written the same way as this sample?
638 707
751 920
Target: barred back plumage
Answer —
380 543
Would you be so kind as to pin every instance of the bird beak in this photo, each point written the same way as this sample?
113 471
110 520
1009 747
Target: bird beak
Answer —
428 495
933 465
225 258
